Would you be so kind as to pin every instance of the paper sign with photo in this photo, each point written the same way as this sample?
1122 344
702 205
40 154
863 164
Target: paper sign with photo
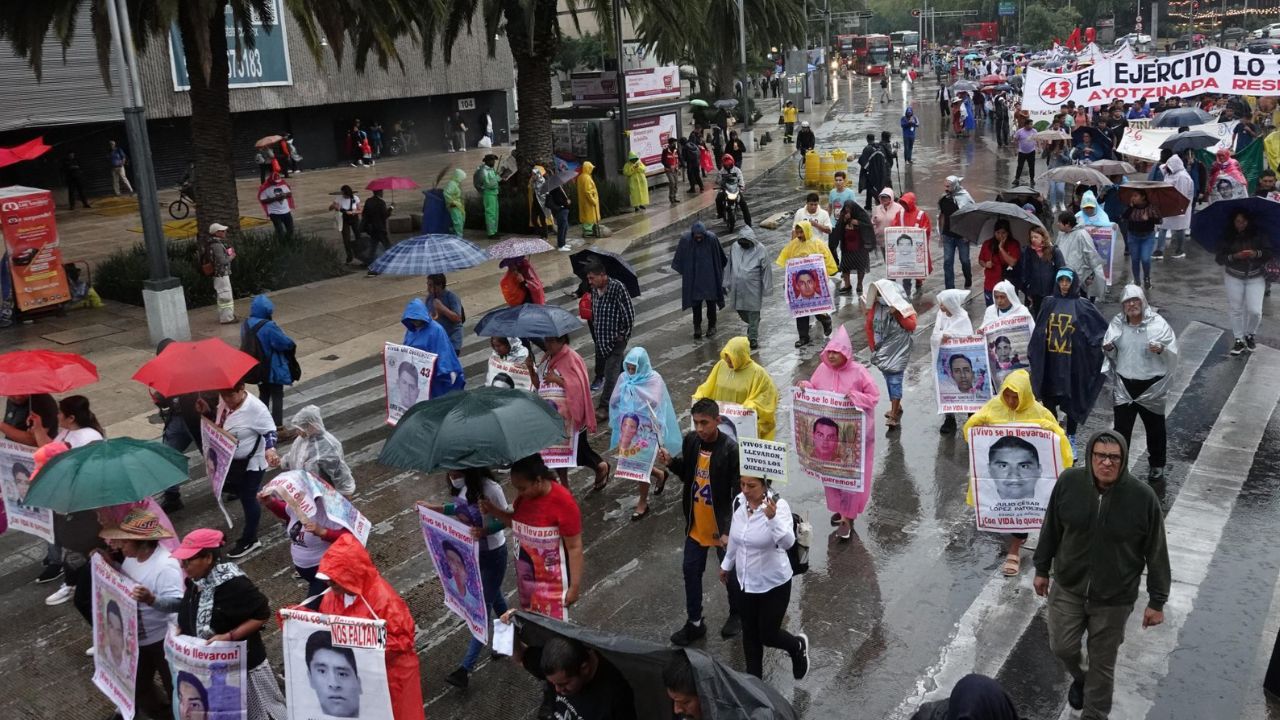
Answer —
1007 340
563 454
219 449
209 678
312 498
334 666
808 292
456 557
407 375
1014 470
115 634
1104 241
504 373
542 572
830 438
962 375
906 253
16 468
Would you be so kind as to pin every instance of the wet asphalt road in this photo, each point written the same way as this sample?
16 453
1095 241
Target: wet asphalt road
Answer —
914 599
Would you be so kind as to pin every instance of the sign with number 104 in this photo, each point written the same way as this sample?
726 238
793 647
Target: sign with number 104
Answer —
265 64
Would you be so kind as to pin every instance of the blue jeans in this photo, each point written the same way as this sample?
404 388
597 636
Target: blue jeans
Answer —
695 564
1057 194
1140 249
493 567
562 226
952 244
894 382
907 144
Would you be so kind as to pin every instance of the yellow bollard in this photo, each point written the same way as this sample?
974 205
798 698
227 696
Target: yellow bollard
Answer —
827 179
812 169
839 161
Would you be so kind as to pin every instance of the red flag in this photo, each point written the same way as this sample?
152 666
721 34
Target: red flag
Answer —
29 150
1073 41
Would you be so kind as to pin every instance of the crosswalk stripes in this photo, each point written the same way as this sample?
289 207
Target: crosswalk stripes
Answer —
992 625
1194 529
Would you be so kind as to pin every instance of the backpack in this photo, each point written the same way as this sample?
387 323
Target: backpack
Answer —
477 179
251 346
798 553
204 259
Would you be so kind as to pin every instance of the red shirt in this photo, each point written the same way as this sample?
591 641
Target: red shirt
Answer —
555 509
994 274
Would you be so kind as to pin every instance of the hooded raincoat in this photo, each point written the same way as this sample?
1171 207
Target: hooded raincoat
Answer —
804 248
489 193
700 260
852 380
517 354
318 452
274 343
348 564
1081 255
993 313
577 387
1175 173
975 697
637 182
1028 411
890 324
453 201
748 277
643 392
431 337
739 379
955 324
913 216
588 196
1098 218
1130 358
1066 351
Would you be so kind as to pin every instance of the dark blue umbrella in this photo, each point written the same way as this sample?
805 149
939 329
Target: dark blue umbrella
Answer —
616 267
1097 138
1208 226
1182 117
528 320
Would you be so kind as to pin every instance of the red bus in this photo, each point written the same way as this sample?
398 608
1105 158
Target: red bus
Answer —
870 54
973 32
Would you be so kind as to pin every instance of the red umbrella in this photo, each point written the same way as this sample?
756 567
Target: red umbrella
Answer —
25 372
186 367
391 183
994 79
29 150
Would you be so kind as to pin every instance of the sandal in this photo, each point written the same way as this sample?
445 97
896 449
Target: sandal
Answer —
602 478
636 516
661 484
1012 563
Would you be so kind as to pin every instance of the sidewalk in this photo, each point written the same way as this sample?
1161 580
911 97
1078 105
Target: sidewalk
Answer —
335 322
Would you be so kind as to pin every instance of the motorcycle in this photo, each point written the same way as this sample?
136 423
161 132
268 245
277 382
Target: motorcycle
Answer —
731 206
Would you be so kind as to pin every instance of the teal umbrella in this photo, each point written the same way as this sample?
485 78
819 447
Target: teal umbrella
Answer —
698 102
105 473
484 427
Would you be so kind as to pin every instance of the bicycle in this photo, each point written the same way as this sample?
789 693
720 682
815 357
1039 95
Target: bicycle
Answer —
181 208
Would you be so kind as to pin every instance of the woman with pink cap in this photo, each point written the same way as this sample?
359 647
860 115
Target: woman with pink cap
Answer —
221 603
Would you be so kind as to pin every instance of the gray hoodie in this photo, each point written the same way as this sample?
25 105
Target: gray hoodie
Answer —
748 277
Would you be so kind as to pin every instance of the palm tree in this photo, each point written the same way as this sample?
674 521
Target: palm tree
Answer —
367 27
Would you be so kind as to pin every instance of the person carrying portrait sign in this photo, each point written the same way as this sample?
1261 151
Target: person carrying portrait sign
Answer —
219 450
313 499
906 253
17 466
115 635
209 678
1006 326
407 373
335 666
456 557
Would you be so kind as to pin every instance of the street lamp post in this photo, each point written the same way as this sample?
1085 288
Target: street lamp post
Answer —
748 136
162 294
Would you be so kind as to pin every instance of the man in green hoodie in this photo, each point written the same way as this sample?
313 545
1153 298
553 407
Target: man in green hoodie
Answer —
1102 528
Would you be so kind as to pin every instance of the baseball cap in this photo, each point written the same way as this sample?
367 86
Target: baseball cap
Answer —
197 540
217 227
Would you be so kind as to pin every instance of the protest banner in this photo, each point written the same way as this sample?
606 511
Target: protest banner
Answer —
115 634
1207 70
209 678
808 292
963 378
504 373
334 666
906 253
637 446
16 468
1014 468
219 449
1007 339
764 459
563 454
738 421
542 573
456 556
407 374
830 438
1104 242
1145 143
312 498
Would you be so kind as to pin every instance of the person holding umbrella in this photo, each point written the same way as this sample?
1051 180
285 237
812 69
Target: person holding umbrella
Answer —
1175 173
562 366
612 318
1243 254
220 602
700 261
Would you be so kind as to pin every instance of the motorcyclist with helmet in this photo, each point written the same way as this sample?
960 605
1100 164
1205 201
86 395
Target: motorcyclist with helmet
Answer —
730 181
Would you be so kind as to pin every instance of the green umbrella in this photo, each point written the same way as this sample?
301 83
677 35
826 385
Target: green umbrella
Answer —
105 473
699 102
484 427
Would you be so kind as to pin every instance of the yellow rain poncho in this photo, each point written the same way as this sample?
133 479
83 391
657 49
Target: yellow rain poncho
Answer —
739 379
810 246
588 197
1029 411
637 182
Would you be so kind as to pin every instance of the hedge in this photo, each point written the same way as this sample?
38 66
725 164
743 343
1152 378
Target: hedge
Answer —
263 262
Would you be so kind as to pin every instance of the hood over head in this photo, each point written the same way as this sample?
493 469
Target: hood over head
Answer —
1074 291
887 191
348 564
978 697
588 167
806 228
1088 200
737 352
459 175
1111 436
908 201
698 228
308 416
1019 381
954 181
1007 288
262 307
1223 155
639 357
1174 164
415 310
840 343
953 301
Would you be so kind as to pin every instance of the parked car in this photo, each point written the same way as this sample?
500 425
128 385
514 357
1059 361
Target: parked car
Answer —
1232 33
1263 47
1134 39
1272 30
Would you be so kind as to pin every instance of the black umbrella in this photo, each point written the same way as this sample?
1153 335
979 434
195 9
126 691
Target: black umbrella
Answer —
1190 140
1097 138
975 221
617 268
725 694
528 320
1181 117
1208 226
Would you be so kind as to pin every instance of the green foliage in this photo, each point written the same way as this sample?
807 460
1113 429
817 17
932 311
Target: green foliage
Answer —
263 262
1041 24
580 53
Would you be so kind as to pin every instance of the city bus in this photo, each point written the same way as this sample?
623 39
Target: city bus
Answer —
905 40
870 54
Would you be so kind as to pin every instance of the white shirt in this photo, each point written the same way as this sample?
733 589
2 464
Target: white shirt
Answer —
275 207
493 493
162 575
821 217
305 548
246 423
79 437
758 546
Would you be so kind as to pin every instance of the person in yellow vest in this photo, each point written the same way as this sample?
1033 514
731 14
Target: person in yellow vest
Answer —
637 182
789 114
588 200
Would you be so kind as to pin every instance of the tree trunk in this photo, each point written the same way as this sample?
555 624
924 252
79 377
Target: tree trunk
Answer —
216 199
533 46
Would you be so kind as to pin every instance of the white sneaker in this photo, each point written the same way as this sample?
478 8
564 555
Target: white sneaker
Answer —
89 652
62 595
566 248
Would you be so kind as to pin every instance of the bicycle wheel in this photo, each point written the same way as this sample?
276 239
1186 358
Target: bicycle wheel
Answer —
179 209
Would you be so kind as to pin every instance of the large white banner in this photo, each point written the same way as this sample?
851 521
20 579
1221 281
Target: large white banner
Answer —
1145 142
16 468
1014 470
209 678
115 635
335 666
1207 70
